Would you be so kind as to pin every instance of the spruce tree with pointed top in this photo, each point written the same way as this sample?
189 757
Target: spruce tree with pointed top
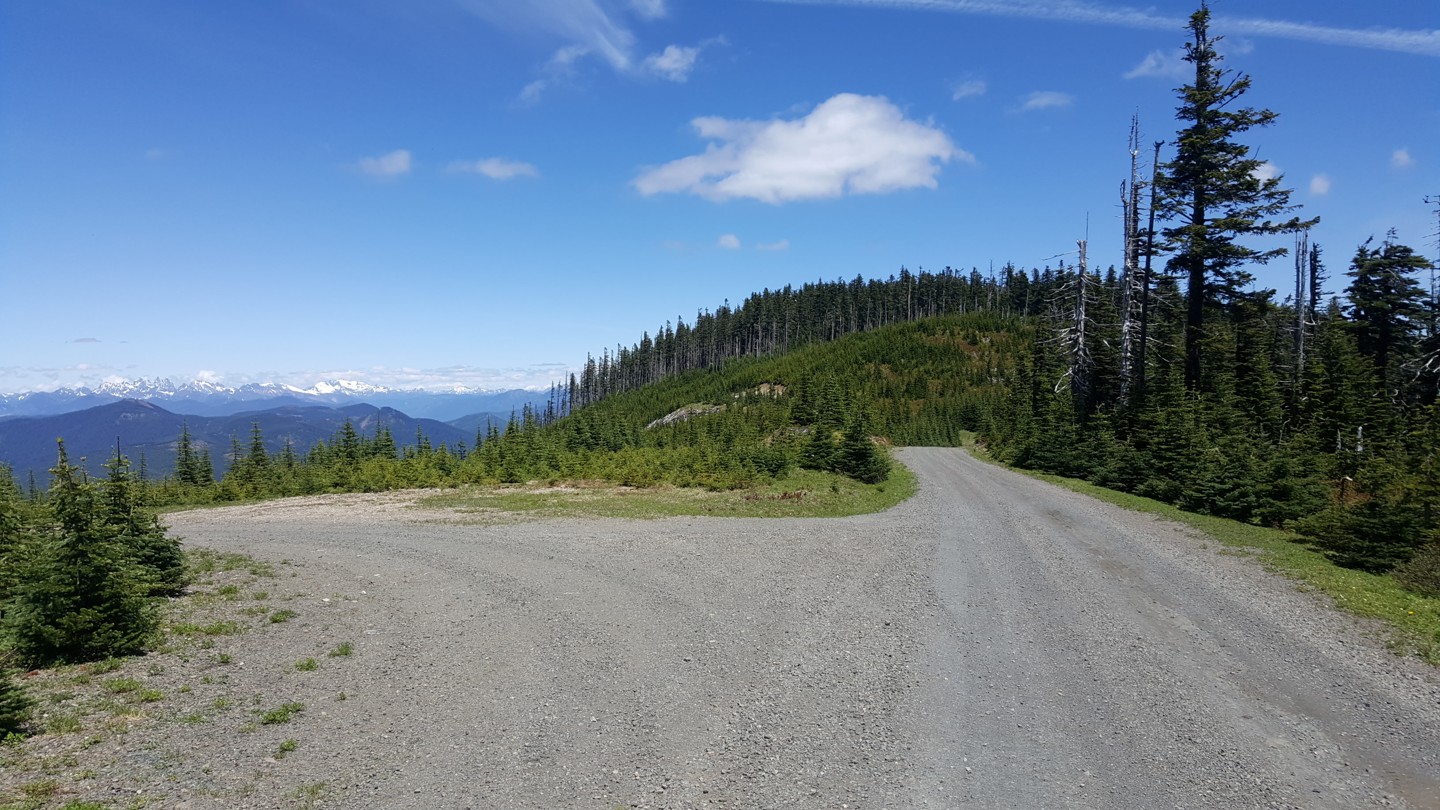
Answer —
14 705
1215 192
123 516
81 595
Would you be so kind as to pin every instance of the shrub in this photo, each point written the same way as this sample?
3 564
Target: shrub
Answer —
14 705
1422 573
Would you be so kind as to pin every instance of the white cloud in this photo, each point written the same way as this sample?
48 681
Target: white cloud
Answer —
649 9
585 24
444 378
1401 159
602 29
1320 185
1266 171
1161 64
558 68
783 244
728 241
969 89
1045 100
392 164
495 168
673 64
849 143
1417 41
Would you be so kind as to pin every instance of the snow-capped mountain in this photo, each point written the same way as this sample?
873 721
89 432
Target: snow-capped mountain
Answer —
205 398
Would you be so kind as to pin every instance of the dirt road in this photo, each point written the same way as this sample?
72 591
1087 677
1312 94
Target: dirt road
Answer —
994 642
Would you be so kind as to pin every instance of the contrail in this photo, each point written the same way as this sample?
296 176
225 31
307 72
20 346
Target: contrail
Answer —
1421 42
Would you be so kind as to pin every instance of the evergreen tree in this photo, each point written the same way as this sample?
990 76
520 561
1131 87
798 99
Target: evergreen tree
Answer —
14 705
186 461
859 458
1214 191
1387 307
15 535
257 460
204 472
81 595
122 515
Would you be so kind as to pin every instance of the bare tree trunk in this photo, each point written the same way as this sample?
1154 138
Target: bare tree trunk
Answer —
1145 279
1130 205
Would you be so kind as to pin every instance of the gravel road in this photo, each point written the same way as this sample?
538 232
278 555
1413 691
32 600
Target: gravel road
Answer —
993 642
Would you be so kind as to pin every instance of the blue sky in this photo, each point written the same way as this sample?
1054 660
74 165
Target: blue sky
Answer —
479 192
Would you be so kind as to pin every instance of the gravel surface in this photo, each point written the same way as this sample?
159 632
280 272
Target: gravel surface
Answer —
993 642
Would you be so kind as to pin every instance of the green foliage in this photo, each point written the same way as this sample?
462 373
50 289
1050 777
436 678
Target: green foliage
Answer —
1387 307
1213 192
124 516
81 592
1421 573
16 536
859 458
14 705
281 714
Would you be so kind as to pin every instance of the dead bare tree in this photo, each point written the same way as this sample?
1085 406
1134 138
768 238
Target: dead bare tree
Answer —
1130 292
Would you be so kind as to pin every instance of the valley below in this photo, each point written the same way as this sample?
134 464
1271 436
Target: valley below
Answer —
994 641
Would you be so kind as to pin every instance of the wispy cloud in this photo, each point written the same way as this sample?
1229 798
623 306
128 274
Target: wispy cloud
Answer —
728 241
969 88
494 168
86 340
849 144
783 244
1416 41
649 9
1162 64
156 153
601 29
1320 185
392 164
1401 159
1045 100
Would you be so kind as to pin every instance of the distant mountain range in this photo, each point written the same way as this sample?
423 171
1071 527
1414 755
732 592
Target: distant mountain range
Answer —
27 443
208 399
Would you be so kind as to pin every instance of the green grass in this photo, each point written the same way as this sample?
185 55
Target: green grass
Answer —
120 686
1414 620
63 724
107 665
282 616
309 796
803 493
283 714
208 561
307 665
345 649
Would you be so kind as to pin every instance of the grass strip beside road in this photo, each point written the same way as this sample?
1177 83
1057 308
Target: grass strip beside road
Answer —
803 494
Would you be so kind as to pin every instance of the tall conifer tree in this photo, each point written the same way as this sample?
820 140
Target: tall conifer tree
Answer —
1215 190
